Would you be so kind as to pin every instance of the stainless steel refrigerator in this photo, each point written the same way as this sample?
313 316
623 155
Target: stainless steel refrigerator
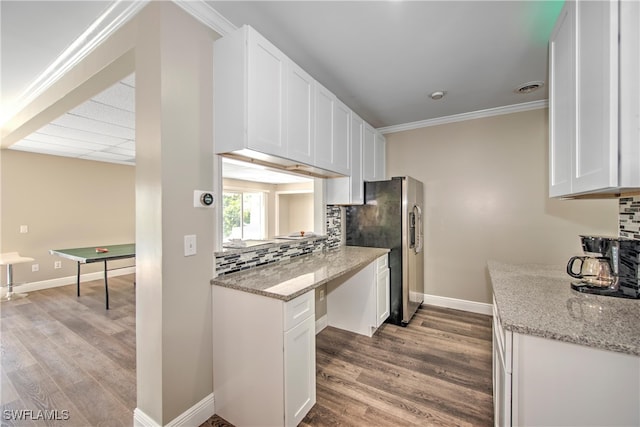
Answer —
392 218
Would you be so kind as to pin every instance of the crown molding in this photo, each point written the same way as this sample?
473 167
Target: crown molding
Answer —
206 14
516 108
103 27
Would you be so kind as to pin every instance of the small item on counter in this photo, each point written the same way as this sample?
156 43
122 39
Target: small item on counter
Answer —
101 250
302 233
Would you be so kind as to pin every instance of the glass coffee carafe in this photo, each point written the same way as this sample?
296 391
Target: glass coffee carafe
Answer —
592 271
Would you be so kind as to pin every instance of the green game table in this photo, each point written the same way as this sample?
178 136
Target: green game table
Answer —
92 254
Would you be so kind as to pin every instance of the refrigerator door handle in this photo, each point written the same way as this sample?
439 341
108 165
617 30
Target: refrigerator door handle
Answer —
418 229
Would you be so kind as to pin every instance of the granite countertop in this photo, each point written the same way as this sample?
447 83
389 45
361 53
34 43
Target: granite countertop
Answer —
286 280
538 300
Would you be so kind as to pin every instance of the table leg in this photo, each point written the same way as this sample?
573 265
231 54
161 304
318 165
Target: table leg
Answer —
78 281
9 279
10 294
106 286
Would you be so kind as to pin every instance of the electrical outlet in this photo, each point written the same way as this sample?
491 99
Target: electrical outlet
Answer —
35 267
24 229
57 264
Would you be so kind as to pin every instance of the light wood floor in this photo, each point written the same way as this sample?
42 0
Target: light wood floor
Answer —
63 353
434 372
70 355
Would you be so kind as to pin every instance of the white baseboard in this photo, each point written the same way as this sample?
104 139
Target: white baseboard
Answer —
459 304
321 323
194 416
68 280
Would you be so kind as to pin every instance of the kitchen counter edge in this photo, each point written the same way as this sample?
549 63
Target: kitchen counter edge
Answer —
324 266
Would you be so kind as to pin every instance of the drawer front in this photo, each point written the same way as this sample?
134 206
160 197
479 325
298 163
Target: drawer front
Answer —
298 309
383 262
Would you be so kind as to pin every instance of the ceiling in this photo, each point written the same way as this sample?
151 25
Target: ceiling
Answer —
381 58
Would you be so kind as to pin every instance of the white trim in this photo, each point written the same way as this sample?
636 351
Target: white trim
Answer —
102 28
140 419
197 414
210 17
194 416
459 304
321 323
68 280
516 108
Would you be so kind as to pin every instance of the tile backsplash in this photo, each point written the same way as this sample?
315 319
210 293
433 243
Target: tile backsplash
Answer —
238 260
629 217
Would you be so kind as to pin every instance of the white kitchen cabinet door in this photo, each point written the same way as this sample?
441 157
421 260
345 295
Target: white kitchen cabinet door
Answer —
594 99
332 146
341 149
266 91
369 153
596 156
299 371
383 300
562 108
301 104
380 157
324 126
350 190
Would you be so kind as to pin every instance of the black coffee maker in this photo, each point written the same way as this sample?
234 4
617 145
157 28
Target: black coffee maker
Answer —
620 256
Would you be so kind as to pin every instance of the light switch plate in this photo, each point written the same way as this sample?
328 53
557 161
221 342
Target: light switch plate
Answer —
190 245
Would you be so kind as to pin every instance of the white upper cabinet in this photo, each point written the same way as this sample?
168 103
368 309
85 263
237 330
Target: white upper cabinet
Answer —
380 157
562 108
373 154
249 100
332 140
587 150
301 107
266 91
369 153
269 109
350 190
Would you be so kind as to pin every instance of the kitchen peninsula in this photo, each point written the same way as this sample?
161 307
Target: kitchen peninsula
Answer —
562 357
264 329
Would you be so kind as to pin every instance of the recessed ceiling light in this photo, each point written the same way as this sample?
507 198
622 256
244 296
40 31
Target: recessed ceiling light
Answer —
529 87
439 94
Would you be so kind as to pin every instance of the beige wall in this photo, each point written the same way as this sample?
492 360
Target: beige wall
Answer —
65 203
485 184
273 210
295 212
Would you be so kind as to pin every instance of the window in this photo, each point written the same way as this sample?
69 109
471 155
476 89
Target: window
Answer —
243 215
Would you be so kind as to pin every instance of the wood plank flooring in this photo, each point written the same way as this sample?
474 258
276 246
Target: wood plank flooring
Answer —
63 353
69 355
434 372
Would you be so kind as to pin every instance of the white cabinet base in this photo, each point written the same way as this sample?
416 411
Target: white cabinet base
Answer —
359 302
558 383
263 373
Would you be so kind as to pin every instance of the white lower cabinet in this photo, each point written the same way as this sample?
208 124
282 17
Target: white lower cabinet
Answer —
263 358
383 290
544 382
299 371
359 301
